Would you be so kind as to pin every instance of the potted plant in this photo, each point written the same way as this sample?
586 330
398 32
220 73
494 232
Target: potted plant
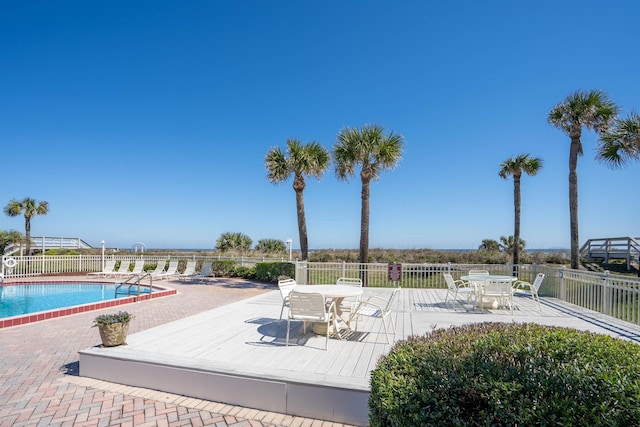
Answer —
113 328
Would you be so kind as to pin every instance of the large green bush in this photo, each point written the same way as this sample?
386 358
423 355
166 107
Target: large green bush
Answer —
495 374
270 271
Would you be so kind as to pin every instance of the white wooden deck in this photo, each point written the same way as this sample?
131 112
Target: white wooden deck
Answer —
236 354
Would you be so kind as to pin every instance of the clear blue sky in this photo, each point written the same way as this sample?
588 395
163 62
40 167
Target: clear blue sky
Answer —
148 121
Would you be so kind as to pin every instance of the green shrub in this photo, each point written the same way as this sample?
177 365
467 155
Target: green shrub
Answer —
223 267
507 375
244 272
270 271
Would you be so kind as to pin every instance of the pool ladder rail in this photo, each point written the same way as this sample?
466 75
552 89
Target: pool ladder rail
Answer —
135 285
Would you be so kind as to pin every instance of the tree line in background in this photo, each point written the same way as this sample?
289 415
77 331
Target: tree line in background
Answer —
370 151
373 151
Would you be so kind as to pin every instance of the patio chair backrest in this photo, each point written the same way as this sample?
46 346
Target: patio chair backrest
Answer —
307 306
286 286
350 281
138 266
450 282
160 266
190 269
173 267
205 270
392 298
498 287
109 265
478 273
124 266
536 283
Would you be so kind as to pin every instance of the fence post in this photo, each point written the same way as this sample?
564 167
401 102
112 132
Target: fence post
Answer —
606 293
563 286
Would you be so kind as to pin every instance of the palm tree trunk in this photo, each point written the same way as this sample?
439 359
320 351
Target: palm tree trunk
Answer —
516 225
27 233
573 200
364 222
302 225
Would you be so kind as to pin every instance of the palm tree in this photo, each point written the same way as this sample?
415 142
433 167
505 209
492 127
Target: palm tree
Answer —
508 244
299 160
29 207
514 167
621 143
375 152
489 245
9 237
592 110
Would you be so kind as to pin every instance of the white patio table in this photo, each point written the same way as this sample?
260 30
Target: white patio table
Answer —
479 280
336 293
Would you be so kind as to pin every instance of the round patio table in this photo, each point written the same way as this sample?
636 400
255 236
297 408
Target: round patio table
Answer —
337 293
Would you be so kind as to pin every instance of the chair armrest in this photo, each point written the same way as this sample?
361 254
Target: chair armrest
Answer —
461 283
375 297
364 303
521 284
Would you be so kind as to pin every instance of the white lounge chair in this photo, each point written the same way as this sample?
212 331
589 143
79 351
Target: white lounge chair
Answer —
531 289
380 310
189 271
285 286
159 268
172 270
138 267
122 270
109 267
311 308
205 270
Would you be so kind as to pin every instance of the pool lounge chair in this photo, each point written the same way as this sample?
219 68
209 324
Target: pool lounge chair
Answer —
189 271
205 271
109 267
172 270
137 269
159 268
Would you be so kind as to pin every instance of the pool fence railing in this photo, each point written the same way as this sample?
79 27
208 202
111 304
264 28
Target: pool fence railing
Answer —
611 294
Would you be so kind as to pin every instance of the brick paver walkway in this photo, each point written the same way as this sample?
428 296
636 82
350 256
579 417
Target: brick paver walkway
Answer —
40 386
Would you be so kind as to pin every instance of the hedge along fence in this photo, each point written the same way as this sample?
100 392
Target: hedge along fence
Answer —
507 374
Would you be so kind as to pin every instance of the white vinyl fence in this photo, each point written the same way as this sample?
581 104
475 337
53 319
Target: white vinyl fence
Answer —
610 294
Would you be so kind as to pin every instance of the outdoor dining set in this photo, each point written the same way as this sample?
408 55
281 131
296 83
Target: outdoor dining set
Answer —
329 306
491 291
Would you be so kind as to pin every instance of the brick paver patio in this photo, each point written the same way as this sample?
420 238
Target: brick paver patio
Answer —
41 387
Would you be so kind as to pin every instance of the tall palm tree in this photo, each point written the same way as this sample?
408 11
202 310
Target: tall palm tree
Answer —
514 166
9 237
592 110
508 244
621 143
374 152
299 160
29 207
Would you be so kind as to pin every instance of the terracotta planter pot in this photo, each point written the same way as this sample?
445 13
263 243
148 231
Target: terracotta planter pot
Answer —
113 334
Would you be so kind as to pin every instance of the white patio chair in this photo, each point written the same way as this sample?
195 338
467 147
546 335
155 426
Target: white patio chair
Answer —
109 267
311 307
500 290
138 266
123 269
205 270
531 289
172 270
159 268
455 286
350 304
189 271
380 310
285 286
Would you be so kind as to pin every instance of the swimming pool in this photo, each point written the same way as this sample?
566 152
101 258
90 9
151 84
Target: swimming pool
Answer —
22 303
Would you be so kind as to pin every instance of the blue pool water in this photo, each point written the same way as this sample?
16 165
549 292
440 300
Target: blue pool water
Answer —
16 300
